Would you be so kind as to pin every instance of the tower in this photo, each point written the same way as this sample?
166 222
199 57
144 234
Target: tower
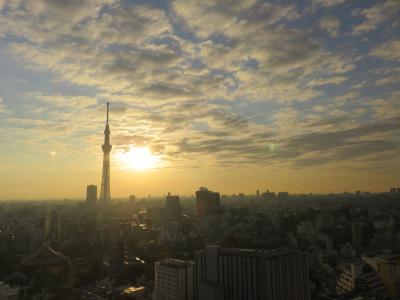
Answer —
105 180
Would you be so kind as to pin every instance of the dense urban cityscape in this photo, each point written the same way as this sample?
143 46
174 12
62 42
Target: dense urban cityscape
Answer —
338 246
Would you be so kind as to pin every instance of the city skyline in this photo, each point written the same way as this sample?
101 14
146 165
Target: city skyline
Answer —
287 96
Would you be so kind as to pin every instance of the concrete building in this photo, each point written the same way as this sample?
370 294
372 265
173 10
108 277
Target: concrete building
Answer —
361 278
207 202
240 274
174 280
91 195
172 206
388 269
8 292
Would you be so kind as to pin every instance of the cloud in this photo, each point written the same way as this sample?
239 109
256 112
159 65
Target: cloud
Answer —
2 106
112 49
332 121
327 3
349 96
328 80
66 10
192 82
329 24
52 19
376 14
126 25
389 50
394 79
58 100
299 150
208 17
386 108
231 18
346 144
352 154
325 140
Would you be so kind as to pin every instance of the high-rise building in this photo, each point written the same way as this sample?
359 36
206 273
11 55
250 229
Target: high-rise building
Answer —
240 274
105 180
174 280
172 206
388 269
207 202
91 195
132 201
362 233
361 278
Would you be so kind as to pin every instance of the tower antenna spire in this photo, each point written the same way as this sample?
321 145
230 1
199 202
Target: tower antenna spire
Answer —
108 107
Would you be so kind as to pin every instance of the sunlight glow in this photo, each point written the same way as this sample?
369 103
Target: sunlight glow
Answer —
138 159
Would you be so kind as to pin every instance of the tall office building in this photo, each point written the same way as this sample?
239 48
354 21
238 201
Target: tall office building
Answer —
105 180
172 207
91 195
207 202
174 280
240 274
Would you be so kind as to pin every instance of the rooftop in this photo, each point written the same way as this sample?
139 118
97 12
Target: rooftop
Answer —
262 253
176 263
44 256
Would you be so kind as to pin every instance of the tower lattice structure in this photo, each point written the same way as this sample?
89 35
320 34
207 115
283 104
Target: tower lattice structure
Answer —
105 180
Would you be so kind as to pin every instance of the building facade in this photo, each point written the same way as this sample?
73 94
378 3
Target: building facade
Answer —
174 280
172 206
207 202
240 274
91 195
360 278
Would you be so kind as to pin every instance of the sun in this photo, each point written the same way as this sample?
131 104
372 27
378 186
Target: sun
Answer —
138 159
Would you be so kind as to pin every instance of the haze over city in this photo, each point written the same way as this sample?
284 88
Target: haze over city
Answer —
297 96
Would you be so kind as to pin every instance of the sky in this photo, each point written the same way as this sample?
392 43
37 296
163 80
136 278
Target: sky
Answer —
235 95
